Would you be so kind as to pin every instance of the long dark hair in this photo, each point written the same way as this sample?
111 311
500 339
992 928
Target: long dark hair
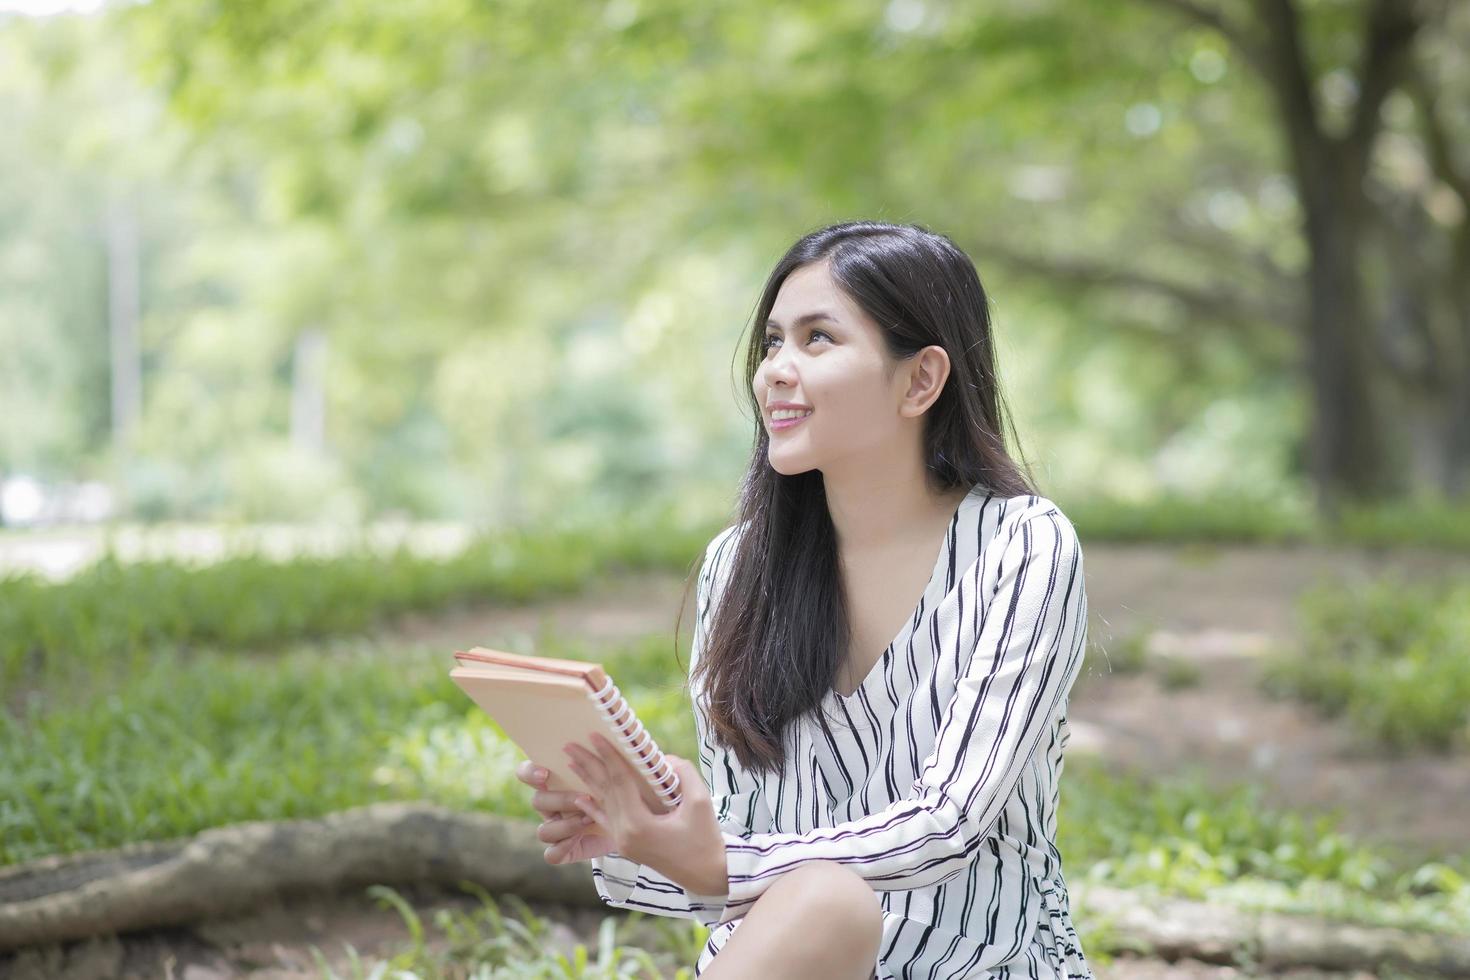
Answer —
772 650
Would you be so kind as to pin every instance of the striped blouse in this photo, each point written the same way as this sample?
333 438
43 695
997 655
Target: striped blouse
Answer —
937 780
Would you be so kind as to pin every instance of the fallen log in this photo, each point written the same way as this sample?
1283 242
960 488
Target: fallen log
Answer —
229 869
1177 928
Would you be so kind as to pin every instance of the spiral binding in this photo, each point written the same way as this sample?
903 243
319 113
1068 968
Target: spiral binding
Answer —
650 760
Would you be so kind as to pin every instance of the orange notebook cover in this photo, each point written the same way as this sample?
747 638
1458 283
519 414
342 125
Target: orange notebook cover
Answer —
542 703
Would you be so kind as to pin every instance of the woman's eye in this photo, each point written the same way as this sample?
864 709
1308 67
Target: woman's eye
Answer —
766 345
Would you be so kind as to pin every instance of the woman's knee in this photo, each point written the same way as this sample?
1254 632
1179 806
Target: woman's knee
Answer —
837 895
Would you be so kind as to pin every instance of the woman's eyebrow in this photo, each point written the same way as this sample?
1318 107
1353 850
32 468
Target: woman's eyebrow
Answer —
806 318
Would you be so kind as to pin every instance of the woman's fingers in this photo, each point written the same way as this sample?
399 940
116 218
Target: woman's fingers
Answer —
592 812
619 776
556 853
588 766
531 774
553 831
550 804
550 801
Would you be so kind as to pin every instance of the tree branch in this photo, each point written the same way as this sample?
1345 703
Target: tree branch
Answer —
1221 247
1387 36
1291 80
1436 137
1211 302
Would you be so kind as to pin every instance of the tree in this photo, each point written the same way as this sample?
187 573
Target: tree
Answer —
1417 326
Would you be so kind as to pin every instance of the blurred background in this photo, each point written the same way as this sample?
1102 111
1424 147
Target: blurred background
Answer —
295 261
377 328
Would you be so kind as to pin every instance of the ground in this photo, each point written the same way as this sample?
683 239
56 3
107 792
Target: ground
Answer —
1219 608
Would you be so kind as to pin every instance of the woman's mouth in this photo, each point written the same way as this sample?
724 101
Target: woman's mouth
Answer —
780 425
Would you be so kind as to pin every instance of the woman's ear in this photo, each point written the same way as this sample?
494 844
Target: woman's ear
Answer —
927 371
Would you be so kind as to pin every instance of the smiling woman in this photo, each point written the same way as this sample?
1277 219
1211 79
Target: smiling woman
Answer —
884 645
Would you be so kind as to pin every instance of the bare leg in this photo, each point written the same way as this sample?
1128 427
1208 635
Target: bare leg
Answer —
818 922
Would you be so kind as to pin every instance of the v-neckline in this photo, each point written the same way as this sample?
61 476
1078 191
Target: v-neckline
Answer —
880 666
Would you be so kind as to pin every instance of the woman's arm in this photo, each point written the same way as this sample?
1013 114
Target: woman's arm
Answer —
736 794
1020 665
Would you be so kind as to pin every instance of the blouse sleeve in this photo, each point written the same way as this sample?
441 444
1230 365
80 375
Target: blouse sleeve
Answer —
1021 661
736 794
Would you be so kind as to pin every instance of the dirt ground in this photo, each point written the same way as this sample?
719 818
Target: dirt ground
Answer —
1220 611
1217 608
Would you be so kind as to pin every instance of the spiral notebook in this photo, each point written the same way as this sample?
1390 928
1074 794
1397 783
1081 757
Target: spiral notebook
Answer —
542 703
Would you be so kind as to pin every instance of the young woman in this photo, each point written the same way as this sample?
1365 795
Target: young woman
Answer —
865 806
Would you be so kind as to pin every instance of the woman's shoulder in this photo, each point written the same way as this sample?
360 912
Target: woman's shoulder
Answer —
1025 507
1002 519
1029 506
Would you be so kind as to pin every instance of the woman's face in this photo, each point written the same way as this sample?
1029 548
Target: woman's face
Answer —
838 367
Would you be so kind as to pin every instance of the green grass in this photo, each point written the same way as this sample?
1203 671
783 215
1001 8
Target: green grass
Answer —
197 741
1129 654
208 739
1125 655
1178 673
1222 519
1180 836
487 943
1391 657
120 613
1430 523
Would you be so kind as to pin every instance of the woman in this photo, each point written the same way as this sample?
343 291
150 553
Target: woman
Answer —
860 809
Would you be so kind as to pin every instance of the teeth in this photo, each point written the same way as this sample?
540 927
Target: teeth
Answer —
789 413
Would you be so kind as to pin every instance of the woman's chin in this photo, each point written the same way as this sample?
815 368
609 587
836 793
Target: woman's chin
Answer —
787 467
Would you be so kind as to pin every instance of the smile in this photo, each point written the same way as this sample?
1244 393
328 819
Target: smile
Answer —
779 425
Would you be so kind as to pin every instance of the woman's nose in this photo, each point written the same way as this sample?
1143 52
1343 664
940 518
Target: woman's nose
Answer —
779 366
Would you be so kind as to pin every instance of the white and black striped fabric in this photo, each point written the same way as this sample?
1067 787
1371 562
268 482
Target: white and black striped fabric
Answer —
937 780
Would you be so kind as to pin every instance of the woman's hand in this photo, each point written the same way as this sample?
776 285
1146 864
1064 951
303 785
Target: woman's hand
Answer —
572 834
685 845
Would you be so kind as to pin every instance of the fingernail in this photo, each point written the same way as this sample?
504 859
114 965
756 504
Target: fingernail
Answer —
539 773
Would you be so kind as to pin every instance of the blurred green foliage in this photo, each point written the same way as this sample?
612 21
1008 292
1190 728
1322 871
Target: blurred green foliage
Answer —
1429 521
531 235
1389 656
532 238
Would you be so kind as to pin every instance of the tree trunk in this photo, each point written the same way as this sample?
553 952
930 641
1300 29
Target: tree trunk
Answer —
1348 455
1458 449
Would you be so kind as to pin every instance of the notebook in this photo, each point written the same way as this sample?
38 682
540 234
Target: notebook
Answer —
542 703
